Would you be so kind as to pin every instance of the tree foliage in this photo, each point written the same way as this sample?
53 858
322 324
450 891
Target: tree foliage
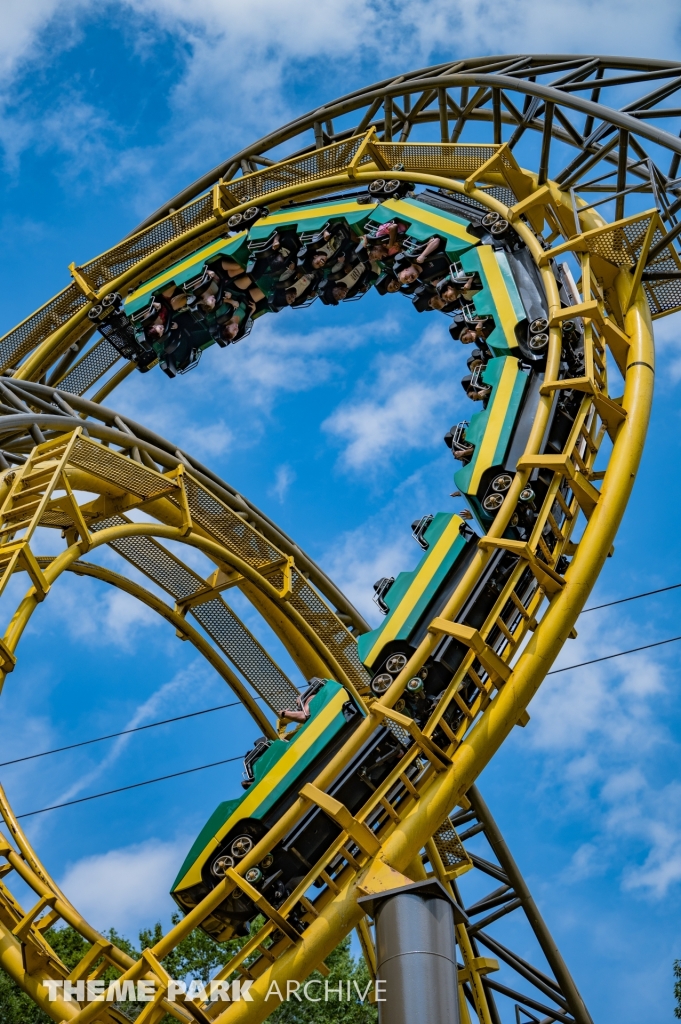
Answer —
342 968
198 956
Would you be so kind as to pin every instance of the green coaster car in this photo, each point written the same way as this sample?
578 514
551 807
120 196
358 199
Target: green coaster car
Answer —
275 773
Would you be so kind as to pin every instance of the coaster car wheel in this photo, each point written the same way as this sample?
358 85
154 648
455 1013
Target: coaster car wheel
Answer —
500 227
219 865
381 683
241 846
253 213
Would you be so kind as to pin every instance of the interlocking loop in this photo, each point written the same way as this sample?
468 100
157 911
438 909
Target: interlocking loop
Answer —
56 444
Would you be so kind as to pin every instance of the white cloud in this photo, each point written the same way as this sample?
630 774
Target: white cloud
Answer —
382 545
359 558
575 707
23 29
283 479
209 439
126 889
168 410
656 815
527 26
258 54
251 46
599 730
263 37
96 615
274 361
408 403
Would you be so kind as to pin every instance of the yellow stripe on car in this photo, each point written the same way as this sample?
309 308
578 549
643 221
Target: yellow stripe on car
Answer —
258 792
421 215
178 268
502 299
485 456
430 566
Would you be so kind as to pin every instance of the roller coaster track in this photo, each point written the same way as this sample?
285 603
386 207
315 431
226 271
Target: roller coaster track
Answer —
478 123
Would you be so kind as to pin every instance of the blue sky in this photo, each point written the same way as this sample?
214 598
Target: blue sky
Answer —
332 422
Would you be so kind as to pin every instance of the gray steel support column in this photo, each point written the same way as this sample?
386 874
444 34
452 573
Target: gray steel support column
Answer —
416 954
539 927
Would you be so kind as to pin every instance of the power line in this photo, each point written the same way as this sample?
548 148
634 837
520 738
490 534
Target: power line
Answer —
228 760
134 785
123 732
634 597
618 654
221 707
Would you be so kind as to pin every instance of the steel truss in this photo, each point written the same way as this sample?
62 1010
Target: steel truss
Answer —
462 128
536 104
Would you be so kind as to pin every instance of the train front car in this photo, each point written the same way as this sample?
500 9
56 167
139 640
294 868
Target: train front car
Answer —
275 772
